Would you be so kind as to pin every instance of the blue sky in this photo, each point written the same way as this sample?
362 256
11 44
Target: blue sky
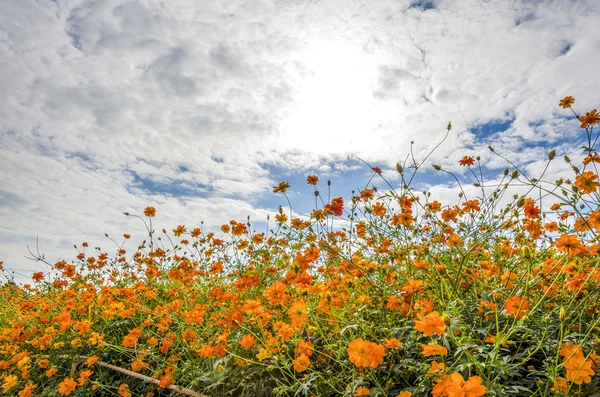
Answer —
200 108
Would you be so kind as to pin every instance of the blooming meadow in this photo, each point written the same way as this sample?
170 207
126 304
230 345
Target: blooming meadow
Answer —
390 294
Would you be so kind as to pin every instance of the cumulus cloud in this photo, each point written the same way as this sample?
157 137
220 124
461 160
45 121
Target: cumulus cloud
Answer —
109 106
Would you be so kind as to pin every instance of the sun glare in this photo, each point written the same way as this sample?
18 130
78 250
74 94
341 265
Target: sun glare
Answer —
333 111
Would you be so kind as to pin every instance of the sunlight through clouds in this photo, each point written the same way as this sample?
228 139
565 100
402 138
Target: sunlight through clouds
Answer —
334 109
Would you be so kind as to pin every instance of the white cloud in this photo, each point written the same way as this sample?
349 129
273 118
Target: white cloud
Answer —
204 96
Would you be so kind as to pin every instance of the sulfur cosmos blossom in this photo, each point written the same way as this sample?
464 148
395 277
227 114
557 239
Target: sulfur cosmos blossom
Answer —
579 369
301 363
312 180
377 170
566 102
362 391
336 206
247 341
363 353
431 324
67 386
587 182
570 244
150 212
516 306
9 382
467 161
282 187
433 349
590 118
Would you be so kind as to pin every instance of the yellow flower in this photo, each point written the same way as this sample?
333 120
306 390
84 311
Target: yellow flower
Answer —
9 382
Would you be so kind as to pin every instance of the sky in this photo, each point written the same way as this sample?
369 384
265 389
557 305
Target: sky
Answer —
200 107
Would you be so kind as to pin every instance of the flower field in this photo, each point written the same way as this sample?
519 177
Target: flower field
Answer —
391 293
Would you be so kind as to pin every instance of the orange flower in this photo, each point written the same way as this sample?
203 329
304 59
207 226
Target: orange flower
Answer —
363 353
566 102
179 231
301 363
579 370
470 388
433 349
404 393
434 207
591 158
305 348
402 218
471 205
560 385
9 382
467 161
67 386
437 367
27 390
590 118
587 182
449 214
247 341
282 187
123 390
532 211
431 324
570 244
378 209
336 206
84 376
51 372
392 343
285 332
149 212
516 307
312 180
362 391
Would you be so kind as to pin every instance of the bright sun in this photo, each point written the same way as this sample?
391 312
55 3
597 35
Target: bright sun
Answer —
334 110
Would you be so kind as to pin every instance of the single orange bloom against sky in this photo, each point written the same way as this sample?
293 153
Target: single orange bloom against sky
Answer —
282 187
149 212
312 180
471 205
587 182
590 118
566 102
336 206
467 161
